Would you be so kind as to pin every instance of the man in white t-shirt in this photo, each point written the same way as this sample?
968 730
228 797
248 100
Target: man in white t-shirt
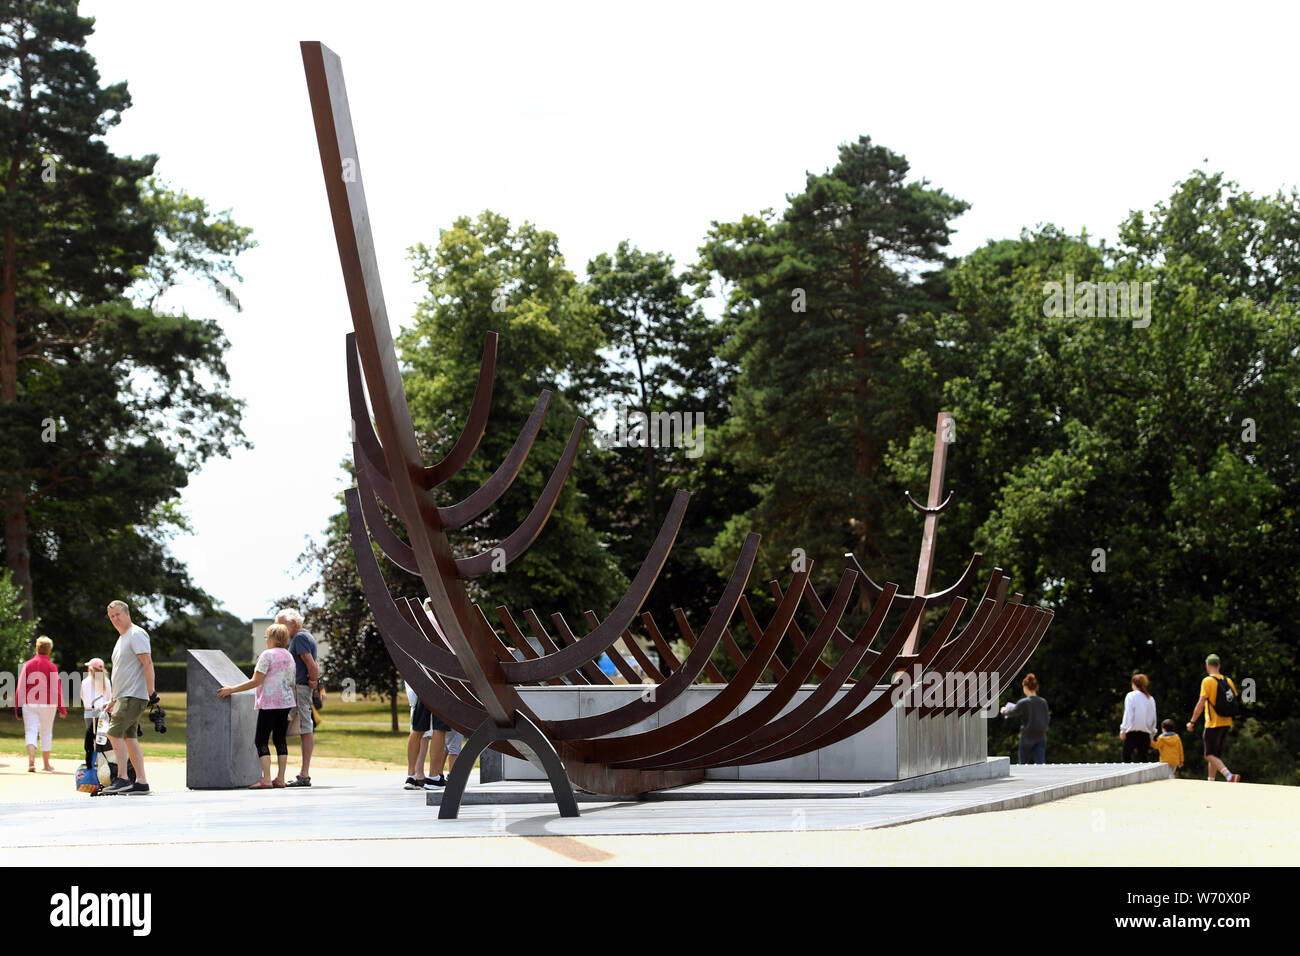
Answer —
133 692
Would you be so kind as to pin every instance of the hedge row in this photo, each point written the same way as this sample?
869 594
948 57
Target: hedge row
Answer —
169 676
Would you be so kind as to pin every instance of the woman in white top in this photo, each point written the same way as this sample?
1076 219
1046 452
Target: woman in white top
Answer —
96 695
1139 724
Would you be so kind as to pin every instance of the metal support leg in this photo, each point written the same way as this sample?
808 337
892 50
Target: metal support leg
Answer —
525 733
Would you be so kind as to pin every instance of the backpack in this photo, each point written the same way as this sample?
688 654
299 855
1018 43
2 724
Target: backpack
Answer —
1226 701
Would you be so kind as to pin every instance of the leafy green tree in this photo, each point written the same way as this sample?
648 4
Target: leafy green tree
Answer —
1135 471
221 631
107 401
334 606
818 313
16 632
483 275
663 354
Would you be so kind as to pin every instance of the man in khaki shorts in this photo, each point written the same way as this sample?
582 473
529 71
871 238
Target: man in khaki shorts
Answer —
306 679
133 691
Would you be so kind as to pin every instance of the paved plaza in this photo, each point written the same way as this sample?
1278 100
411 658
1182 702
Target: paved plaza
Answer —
368 807
1058 814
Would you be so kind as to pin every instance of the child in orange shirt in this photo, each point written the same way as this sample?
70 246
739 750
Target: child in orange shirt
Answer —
1170 746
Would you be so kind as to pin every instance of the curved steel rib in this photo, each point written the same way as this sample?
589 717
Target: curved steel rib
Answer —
926 509
823 730
463 512
388 618
475 422
933 599
664 693
1012 657
1018 627
728 642
394 548
771 704
617 750
517 542
603 637
521 642
362 429
712 673
502 650
644 662
549 647
666 655
985 632
592 667
755 631
787 724
874 710
629 673
820 667
372 482
955 660
1042 623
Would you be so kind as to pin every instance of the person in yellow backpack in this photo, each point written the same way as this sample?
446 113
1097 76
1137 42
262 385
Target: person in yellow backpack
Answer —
1216 725
1170 746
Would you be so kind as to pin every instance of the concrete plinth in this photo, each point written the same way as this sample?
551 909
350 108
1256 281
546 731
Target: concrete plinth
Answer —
904 743
219 750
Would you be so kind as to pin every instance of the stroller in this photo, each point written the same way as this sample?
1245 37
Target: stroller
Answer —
93 777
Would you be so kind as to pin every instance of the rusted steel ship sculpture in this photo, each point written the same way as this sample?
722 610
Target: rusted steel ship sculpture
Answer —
468 673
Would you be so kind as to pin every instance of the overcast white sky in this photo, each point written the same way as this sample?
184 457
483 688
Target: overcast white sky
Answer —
609 121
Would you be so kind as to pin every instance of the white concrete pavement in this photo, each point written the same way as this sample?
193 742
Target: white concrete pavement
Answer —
375 807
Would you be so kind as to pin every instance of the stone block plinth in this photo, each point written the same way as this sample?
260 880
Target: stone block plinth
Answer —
905 743
219 750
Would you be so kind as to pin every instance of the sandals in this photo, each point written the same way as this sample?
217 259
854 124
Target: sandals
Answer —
278 784
260 785
299 781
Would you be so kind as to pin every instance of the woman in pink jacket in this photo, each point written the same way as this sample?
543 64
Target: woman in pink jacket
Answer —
40 693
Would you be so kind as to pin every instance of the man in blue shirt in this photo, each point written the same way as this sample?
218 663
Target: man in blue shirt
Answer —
306 679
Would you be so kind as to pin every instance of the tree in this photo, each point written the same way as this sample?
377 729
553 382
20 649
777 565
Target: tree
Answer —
1136 471
224 632
818 313
16 632
482 276
107 401
664 356
335 605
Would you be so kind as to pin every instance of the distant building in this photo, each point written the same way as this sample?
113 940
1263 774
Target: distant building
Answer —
260 624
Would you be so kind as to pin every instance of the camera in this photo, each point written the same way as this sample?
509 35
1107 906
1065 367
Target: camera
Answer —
159 718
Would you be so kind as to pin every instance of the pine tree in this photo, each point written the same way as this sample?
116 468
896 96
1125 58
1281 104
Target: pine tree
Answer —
819 311
107 401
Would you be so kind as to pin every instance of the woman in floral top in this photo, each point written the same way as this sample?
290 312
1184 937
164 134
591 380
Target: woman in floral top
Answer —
273 678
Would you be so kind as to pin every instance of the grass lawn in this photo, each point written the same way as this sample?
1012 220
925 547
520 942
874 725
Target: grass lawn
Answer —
360 730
